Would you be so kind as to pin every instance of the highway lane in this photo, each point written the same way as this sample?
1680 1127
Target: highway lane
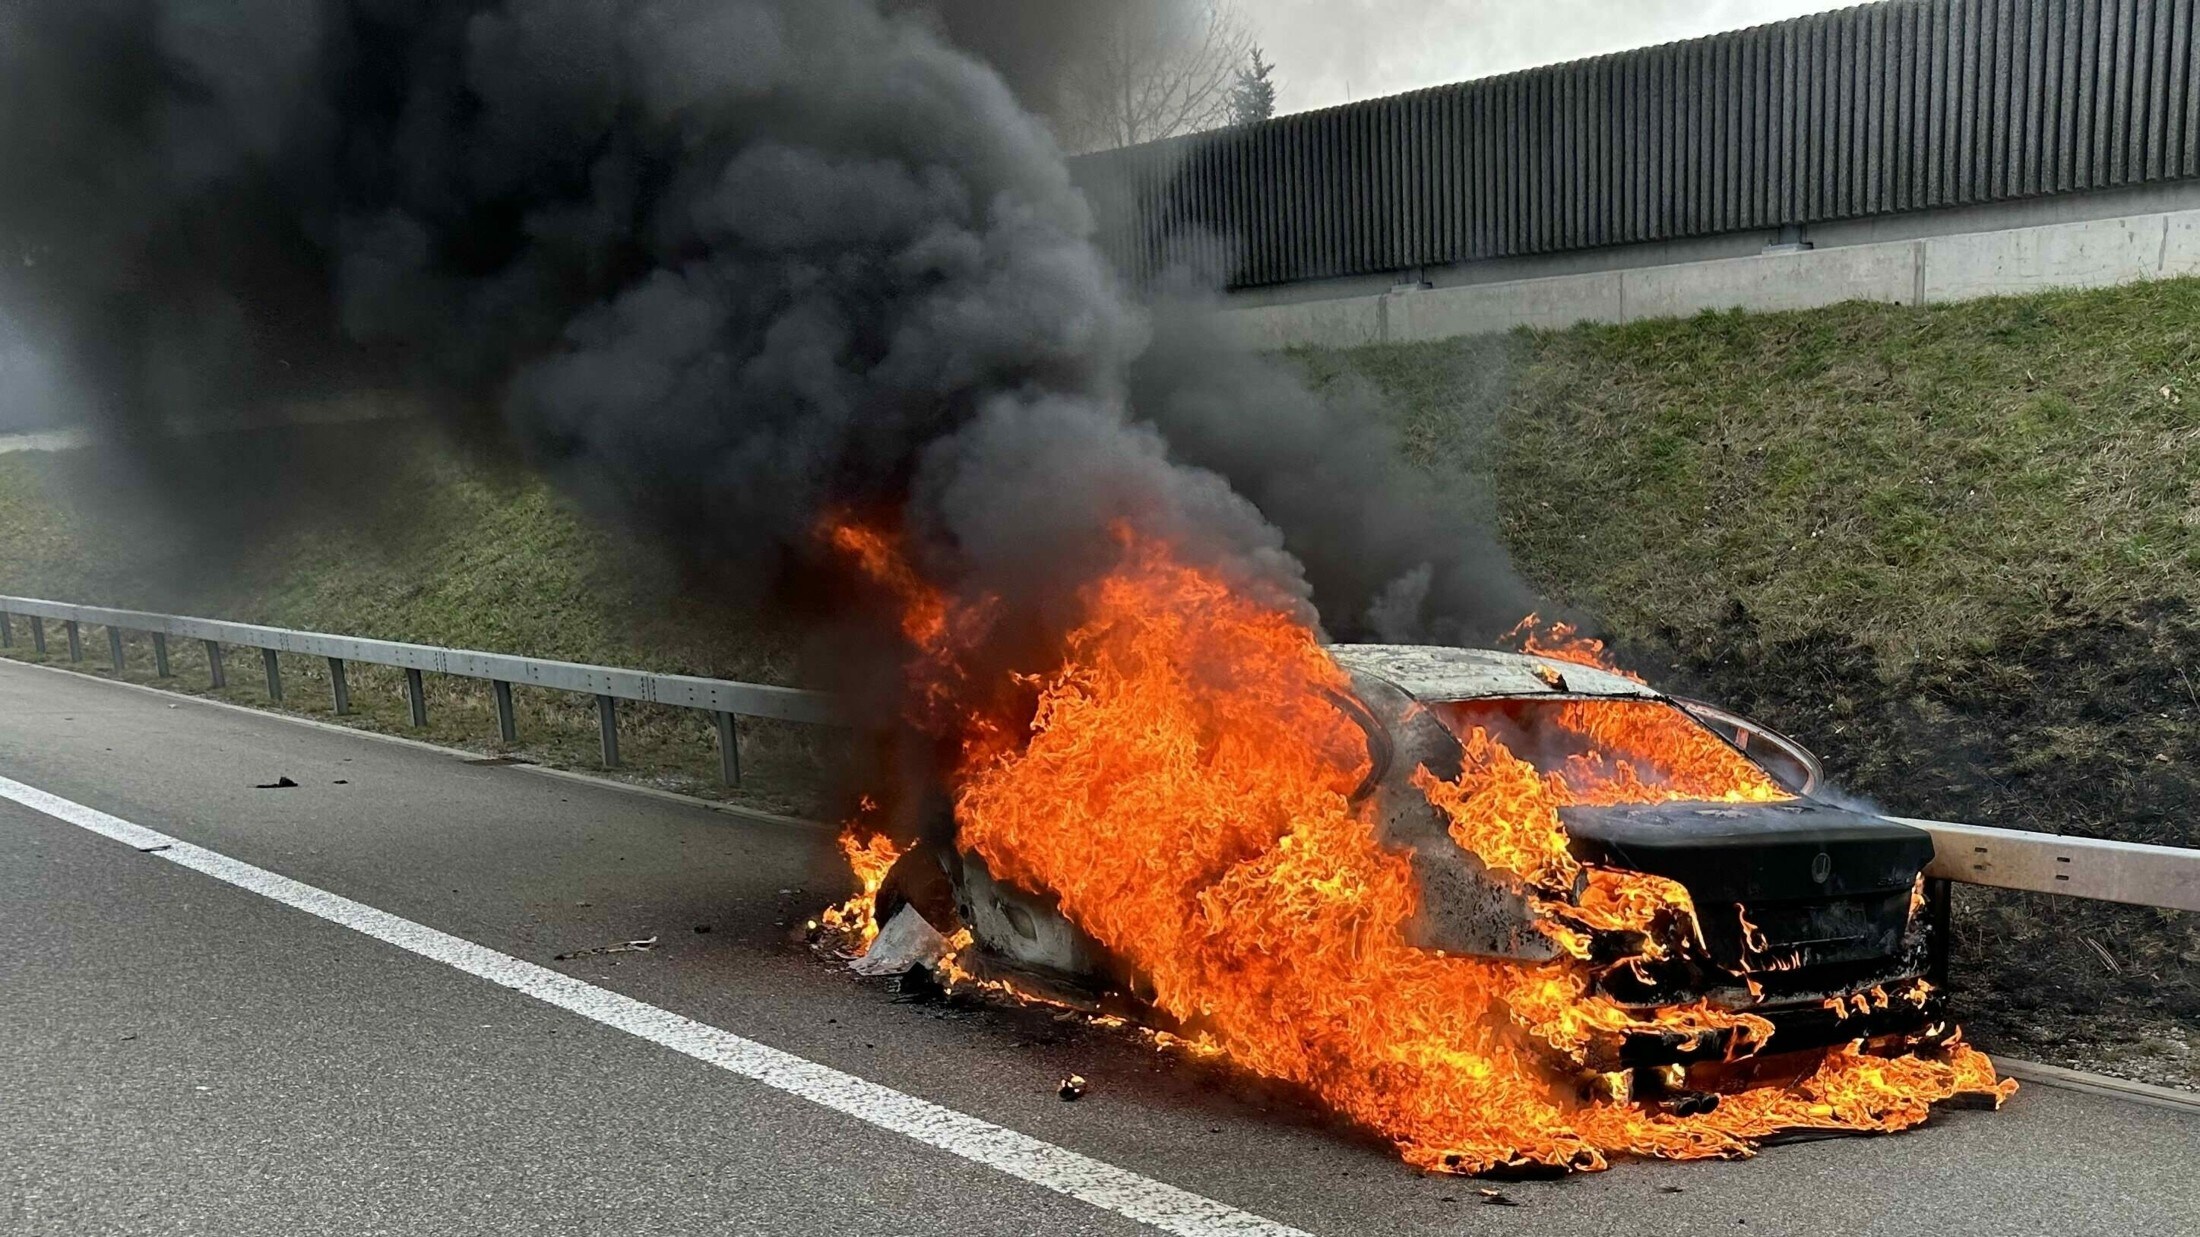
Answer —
356 1088
185 1057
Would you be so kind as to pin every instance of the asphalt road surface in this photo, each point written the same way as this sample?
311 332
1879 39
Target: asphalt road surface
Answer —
195 1044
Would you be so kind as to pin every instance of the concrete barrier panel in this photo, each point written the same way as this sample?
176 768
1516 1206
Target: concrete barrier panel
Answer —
2096 253
2181 244
2074 254
1771 282
1490 308
1344 323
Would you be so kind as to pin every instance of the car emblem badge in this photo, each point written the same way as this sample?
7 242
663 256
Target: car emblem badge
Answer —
1821 868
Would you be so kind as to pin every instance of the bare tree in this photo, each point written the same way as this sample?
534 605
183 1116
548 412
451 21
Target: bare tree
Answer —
1153 69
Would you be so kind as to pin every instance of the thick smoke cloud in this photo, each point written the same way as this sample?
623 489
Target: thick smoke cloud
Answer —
1032 46
721 266
1391 557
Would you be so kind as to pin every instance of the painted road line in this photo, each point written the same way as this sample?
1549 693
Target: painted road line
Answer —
1102 1185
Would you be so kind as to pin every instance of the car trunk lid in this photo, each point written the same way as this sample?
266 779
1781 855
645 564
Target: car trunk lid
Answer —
1783 886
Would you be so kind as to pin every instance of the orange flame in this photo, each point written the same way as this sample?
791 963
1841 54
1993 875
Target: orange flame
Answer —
871 859
1183 787
1563 642
1645 751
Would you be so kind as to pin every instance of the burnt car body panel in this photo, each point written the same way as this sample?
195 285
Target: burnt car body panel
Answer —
1442 674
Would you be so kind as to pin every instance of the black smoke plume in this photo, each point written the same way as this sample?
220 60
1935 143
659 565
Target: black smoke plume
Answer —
718 266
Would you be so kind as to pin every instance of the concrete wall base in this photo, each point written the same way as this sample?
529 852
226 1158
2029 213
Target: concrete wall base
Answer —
2089 253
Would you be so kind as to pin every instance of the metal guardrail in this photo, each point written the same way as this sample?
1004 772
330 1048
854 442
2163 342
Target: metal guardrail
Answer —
725 700
2158 876
2140 875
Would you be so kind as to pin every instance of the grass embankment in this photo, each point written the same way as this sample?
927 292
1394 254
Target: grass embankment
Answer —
1954 548
431 549
1927 477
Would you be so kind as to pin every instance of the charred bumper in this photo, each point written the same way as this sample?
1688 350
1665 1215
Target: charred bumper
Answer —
1795 1028
1805 913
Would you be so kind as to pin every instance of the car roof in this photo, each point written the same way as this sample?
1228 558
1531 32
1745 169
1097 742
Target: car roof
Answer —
1440 674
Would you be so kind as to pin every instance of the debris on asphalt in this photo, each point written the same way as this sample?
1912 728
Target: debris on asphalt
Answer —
281 783
1495 1198
906 943
702 929
342 781
623 947
1672 1189
916 986
1072 1089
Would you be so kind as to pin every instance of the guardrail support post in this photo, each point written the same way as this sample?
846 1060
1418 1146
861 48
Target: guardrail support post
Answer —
114 648
507 720
338 687
38 635
729 749
160 654
274 674
214 671
416 696
607 719
1939 901
76 640
7 631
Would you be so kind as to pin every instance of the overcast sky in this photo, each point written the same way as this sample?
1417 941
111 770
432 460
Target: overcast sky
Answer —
1333 51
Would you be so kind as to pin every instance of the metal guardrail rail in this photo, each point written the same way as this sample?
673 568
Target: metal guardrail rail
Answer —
2159 876
2130 872
725 700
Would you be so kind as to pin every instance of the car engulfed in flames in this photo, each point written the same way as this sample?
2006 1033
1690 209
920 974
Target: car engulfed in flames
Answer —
1773 905
1507 910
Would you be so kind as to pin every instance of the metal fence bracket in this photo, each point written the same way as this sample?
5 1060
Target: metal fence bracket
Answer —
607 721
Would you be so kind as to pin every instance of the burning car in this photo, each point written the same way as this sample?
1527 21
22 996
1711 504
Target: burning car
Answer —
1799 917
1507 910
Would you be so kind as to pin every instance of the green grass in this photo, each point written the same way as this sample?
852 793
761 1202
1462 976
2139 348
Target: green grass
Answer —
1920 475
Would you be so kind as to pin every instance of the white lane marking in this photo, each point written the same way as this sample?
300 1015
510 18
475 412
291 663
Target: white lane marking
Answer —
1105 1186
